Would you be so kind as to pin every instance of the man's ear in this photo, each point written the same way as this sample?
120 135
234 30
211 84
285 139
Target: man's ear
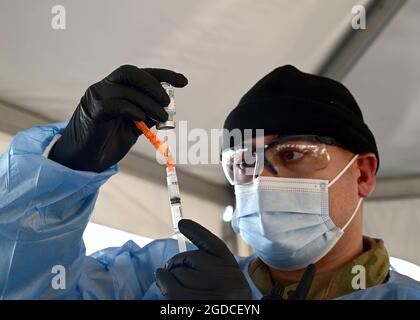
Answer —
366 166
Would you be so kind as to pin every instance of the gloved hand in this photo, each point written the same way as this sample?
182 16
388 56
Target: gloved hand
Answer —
102 130
208 273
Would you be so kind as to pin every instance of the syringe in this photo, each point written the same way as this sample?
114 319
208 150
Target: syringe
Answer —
172 181
171 177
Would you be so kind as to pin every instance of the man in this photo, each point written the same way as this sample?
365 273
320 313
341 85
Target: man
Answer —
299 199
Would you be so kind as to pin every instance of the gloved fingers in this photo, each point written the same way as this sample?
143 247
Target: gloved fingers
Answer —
196 259
172 289
205 240
167 283
118 108
149 106
140 79
164 75
193 279
207 281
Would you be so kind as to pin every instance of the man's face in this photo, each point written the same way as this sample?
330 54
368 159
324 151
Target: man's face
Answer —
344 194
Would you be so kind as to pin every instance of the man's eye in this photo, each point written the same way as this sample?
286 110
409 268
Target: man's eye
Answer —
289 156
243 165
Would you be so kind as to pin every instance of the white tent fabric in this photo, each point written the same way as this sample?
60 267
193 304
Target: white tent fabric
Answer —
222 46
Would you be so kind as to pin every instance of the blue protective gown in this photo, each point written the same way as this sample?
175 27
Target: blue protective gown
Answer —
44 209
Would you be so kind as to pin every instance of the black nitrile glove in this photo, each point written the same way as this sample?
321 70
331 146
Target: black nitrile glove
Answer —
208 273
102 130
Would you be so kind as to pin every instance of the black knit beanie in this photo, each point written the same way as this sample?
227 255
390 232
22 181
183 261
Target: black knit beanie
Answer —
288 102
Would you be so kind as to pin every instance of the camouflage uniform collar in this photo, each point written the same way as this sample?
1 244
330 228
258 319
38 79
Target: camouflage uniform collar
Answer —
374 260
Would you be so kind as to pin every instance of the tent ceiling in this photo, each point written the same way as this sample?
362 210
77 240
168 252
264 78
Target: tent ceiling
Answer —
222 46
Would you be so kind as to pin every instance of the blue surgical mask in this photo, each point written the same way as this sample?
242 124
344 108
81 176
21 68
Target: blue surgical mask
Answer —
286 220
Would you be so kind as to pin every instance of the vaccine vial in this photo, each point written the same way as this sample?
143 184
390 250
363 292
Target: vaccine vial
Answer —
170 109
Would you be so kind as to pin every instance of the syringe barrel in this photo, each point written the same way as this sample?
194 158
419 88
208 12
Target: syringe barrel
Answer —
176 212
174 197
173 189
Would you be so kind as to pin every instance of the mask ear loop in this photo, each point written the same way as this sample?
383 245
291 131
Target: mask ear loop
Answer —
353 215
338 176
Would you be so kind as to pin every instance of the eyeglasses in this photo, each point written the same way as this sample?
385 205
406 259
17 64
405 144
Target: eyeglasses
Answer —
296 155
